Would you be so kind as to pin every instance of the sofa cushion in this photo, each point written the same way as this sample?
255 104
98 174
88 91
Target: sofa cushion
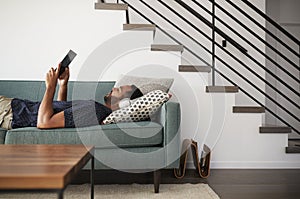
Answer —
145 84
84 90
20 89
134 134
2 135
32 135
76 89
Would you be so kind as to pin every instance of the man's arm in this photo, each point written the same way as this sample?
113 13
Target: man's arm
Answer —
46 117
63 85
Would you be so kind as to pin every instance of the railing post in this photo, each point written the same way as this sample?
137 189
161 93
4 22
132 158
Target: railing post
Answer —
213 43
127 16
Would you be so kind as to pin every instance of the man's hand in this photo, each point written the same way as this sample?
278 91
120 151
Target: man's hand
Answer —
51 79
63 79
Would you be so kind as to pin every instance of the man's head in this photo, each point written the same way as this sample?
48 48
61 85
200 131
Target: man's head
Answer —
113 98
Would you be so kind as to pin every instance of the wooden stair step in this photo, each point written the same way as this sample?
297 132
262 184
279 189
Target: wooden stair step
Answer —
248 109
165 47
275 129
111 6
222 89
194 68
142 27
294 142
292 149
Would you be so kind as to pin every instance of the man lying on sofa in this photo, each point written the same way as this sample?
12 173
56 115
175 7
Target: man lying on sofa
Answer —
17 113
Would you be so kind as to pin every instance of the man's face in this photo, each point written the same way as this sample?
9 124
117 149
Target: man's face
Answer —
121 91
117 94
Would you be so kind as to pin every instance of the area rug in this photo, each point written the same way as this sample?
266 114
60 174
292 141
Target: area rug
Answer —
133 191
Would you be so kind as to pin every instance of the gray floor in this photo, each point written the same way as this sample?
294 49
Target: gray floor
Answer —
256 184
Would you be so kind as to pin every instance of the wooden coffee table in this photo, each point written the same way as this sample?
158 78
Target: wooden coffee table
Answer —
43 167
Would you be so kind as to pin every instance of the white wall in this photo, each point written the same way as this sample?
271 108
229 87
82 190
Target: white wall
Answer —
36 34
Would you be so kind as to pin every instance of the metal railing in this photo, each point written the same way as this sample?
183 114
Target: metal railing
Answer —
212 52
265 29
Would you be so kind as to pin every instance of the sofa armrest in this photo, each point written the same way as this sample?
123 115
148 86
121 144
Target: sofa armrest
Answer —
170 116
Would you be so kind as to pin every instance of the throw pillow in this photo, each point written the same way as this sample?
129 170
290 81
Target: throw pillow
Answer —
145 84
140 110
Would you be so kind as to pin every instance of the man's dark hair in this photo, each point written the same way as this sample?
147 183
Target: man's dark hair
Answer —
136 92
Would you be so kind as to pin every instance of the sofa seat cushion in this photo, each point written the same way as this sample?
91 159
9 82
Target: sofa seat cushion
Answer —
133 134
32 135
2 135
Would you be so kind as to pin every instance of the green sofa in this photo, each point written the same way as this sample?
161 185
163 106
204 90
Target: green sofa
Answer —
132 147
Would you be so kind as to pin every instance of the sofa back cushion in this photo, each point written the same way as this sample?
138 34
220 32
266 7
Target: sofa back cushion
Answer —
34 90
20 89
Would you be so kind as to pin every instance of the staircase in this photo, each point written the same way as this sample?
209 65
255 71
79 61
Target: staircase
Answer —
230 47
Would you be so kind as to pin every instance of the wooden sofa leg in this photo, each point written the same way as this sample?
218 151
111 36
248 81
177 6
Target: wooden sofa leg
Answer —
156 178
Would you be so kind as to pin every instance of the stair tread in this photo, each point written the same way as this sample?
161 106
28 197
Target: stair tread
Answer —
222 89
274 129
292 149
248 109
194 68
150 27
166 47
294 142
111 6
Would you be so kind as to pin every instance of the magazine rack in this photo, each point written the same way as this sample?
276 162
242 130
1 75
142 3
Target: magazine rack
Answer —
202 166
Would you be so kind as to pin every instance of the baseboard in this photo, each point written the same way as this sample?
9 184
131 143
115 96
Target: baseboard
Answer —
250 165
